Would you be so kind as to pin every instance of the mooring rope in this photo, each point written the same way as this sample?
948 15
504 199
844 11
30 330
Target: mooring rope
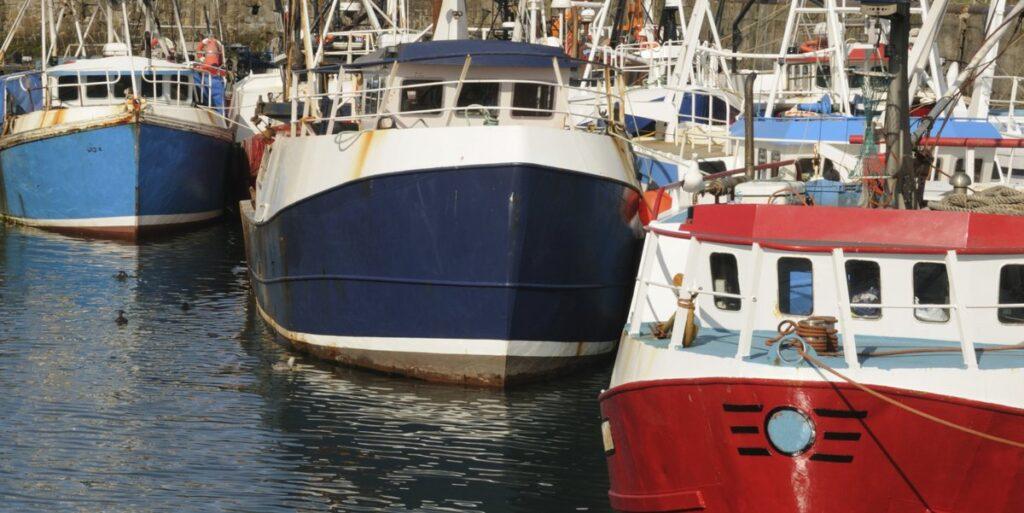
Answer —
798 345
994 200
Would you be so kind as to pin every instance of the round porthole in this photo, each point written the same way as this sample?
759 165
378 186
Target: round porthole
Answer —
789 430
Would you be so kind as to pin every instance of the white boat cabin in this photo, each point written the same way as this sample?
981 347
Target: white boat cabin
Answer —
455 83
892 280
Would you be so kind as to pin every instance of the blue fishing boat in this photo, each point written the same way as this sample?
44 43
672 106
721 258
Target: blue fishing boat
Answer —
456 225
114 146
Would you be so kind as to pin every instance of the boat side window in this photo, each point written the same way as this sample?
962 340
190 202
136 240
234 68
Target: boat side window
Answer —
67 88
96 87
483 94
931 287
151 85
796 286
122 86
1011 292
725 278
540 99
864 281
177 86
427 97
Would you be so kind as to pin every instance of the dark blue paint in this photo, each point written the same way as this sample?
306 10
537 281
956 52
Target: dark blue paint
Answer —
124 170
507 252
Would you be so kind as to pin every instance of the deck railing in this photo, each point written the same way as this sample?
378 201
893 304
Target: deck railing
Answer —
591 110
957 309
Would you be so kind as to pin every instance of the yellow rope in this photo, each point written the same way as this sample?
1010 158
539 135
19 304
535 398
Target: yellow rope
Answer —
894 402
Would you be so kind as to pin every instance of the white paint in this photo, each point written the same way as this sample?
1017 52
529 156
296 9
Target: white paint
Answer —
448 346
118 222
299 167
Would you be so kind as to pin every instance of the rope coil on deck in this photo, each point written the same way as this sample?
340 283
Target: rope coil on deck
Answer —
819 332
995 200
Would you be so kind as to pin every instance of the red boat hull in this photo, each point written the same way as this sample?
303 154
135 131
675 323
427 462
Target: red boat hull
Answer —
700 445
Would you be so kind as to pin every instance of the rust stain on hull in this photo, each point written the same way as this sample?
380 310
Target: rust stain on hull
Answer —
482 371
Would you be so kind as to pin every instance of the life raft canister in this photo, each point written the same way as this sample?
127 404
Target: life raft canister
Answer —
210 52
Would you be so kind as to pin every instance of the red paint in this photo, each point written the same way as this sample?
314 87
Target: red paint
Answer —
959 142
674 439
822 229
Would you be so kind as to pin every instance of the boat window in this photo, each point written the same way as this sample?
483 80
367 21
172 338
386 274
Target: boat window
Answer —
151 85
725 278
536 97
67 88
482 94
122 86
99 90
427 97
177 86
931 287
1011 292
864 281
371 97
796 286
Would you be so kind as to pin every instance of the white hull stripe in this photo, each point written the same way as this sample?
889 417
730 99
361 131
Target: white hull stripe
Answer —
452 346
117 222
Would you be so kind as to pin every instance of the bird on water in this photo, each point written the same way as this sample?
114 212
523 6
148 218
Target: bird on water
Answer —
121 319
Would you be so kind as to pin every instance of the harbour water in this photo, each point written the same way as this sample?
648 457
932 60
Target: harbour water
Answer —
191 406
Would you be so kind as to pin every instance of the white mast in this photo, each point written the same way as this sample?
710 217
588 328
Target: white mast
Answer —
451 23
982 95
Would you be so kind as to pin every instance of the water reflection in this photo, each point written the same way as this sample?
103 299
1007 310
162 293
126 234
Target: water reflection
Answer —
190 408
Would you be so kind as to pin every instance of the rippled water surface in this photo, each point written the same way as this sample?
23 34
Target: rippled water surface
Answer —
192 409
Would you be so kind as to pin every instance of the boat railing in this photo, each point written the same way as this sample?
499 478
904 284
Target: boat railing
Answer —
185 87
1008 99
956 308
368 106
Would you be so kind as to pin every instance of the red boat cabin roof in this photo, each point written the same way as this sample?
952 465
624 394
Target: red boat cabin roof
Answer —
857 230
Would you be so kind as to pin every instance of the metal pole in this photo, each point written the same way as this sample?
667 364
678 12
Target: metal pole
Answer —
748 124
899 150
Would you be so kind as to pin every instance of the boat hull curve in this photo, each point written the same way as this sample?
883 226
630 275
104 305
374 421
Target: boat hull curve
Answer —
488 275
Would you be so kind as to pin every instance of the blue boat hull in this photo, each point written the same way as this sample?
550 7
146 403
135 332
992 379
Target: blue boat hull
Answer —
510 252
117 181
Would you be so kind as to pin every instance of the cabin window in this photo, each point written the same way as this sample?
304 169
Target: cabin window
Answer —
96 87
931 287
177 86
476 95
426 97
371 99
1011 292
725 278
864 281
122 86
151 85
67 88
535 97
796 286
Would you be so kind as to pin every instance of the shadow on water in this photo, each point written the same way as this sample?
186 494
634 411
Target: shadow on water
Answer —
192 408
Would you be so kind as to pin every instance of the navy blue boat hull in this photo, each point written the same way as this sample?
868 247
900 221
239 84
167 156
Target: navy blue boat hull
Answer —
510 252
116 180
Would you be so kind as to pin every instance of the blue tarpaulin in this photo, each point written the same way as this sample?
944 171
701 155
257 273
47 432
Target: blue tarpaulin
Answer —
211 90
22 92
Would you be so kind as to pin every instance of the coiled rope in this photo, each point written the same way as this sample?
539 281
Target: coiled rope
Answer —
801 350
819 332
994 200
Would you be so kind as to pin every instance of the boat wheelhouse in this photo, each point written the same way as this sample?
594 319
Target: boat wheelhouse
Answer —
447 220
113 146
778 357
